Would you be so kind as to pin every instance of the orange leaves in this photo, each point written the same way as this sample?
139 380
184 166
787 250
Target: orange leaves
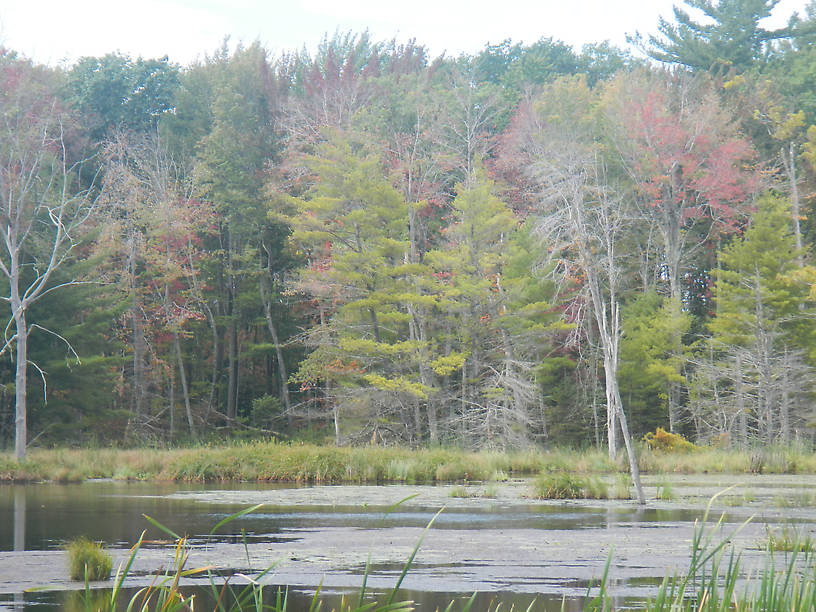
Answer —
337 366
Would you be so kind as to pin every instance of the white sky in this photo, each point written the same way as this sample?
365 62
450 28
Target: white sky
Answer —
60 31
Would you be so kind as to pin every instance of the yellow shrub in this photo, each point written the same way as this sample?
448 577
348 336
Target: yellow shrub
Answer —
664 441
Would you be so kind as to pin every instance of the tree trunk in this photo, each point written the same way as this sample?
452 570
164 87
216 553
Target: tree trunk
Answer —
789 162
784 402
232 347
172 405
20 383
740 399
630 449
139 355
216 360
282 376
232 365
184 387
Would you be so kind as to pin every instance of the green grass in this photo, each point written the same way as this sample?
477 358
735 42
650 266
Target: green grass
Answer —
88 560
489 491
711 582
665 490
566 485
622 487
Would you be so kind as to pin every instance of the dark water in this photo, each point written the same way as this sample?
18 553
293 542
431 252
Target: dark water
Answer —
111 512
45 516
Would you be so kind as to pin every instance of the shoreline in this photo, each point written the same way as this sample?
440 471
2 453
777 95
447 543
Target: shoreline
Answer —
312 464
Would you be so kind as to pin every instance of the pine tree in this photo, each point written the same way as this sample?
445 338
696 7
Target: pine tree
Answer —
730 38
762 316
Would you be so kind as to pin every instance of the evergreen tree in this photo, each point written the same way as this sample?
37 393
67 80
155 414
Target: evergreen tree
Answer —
763 309
730 38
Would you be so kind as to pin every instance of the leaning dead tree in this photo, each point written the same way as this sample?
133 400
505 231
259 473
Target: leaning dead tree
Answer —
582 221
42 207
580 226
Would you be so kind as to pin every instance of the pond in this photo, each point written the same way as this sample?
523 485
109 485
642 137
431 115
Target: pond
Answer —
496 540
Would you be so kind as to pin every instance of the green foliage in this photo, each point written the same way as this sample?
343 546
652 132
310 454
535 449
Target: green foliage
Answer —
730 38
117 92
88 560
651 355
665 490
755 287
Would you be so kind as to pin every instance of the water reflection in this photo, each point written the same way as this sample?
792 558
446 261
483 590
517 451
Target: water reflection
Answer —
19 518
19 535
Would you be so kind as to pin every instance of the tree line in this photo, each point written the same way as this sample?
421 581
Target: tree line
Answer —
526 245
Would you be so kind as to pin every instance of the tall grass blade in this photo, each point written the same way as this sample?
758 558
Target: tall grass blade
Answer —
166 530
232 517
411 558
121 574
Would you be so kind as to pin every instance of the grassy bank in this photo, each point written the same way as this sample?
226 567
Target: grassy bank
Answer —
270 461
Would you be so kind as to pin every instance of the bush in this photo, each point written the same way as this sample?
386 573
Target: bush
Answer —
662 440
88 560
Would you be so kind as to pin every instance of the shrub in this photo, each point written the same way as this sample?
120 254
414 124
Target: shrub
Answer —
662 440
88 560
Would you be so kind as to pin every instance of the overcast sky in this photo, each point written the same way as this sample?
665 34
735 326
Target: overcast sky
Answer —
57 31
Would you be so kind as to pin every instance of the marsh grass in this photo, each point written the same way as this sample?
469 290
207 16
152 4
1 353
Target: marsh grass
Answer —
488 491
665 490
566 485
88 560
622 487
787 539
711 582
273 461
291 462
460 492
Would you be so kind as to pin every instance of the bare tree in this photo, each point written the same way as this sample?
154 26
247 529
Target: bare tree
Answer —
42 208
581 226
746 393
582 221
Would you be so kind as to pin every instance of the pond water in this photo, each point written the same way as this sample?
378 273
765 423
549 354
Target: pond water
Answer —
510 548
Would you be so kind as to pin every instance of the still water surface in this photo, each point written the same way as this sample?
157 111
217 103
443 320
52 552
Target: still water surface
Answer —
42 517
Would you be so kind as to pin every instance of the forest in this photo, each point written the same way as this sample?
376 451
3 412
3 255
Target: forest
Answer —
529 246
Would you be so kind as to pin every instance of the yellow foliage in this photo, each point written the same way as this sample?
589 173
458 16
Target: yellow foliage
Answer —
664 441
448 364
